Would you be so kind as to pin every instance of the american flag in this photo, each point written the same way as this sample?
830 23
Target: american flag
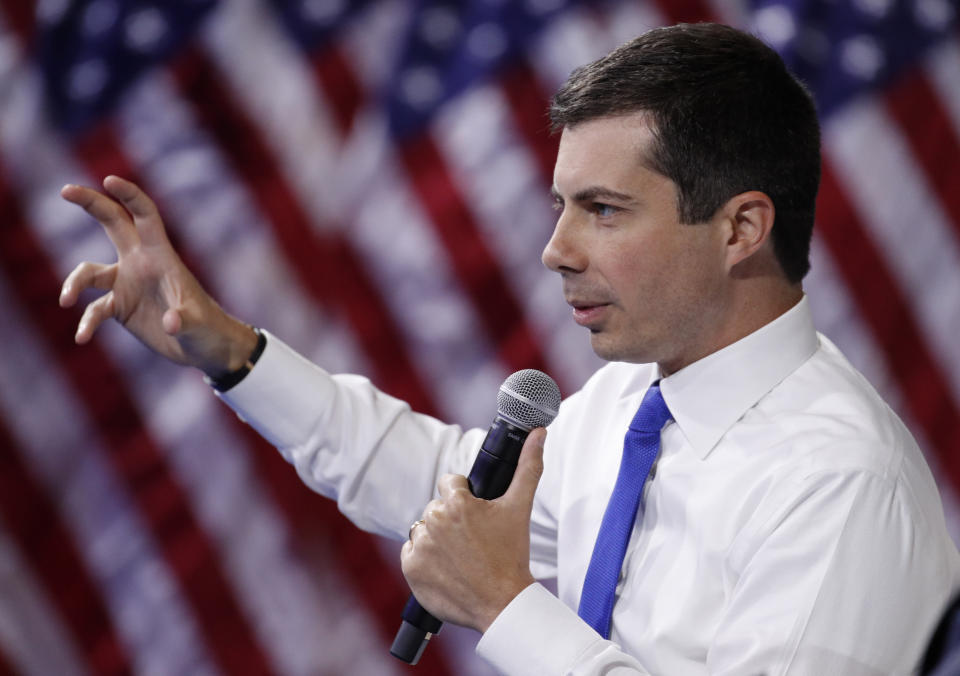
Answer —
369 181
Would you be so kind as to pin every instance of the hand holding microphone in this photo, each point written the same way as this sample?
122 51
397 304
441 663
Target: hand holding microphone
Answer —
470 557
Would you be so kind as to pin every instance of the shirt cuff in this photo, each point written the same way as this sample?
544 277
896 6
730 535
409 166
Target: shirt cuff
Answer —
281 395
536 634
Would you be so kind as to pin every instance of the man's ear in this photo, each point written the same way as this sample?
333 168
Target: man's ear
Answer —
749 217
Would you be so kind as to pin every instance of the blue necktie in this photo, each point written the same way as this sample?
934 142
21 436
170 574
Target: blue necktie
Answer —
640 447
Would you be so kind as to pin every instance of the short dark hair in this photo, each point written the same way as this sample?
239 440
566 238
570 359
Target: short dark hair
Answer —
727 117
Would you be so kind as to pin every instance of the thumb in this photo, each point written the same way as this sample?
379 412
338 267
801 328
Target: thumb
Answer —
529 470
182 320
172 322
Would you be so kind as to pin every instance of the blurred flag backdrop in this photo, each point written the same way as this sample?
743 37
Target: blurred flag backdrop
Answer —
369 181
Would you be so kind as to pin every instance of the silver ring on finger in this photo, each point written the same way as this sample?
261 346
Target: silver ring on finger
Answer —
413 527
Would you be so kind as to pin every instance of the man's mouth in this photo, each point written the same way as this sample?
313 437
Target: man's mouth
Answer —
588 313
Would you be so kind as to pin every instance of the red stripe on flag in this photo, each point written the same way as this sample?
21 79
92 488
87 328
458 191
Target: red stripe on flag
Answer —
34 523
529 105
925 123
479 273
326 266
5 668
318 526
100 153
344 94
887 312
685 11
21 17
133 454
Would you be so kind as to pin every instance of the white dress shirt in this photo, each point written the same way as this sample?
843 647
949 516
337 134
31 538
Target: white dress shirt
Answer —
790 525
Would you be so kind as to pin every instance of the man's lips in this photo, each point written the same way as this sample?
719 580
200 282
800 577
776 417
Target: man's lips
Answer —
587 313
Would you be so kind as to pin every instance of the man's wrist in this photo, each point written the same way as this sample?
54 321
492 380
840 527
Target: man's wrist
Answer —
484 621
243 355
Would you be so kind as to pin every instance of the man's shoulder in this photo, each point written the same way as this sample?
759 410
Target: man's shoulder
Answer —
834 417
825 430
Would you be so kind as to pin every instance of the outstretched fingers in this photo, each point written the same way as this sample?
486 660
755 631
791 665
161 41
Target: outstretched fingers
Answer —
113 217
96 313
138 203
87 276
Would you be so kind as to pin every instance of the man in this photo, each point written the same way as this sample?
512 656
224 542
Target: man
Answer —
789 524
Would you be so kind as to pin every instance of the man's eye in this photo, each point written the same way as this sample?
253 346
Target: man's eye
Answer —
604 210
558 205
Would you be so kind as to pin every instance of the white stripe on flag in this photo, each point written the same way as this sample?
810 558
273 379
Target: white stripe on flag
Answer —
887 187
372 42
627 20
570 41
248 46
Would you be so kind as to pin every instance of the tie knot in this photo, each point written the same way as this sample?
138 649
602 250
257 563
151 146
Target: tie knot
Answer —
653 411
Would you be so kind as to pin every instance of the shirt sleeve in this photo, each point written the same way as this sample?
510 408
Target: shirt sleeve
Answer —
538 634
349 441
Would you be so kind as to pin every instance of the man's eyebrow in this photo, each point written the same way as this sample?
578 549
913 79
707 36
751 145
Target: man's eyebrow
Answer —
596 192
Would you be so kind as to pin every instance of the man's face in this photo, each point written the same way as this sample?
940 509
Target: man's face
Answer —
646 286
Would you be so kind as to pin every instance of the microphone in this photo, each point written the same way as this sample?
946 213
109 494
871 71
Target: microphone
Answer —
527 399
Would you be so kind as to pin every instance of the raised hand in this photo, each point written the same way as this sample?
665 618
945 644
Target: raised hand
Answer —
149 290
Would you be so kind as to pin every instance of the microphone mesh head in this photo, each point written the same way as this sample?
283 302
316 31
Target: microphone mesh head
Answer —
529 398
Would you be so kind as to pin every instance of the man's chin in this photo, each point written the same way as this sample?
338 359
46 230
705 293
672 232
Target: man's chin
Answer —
610 350
604 347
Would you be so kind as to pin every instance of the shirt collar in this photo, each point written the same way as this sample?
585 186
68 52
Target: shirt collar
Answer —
707 397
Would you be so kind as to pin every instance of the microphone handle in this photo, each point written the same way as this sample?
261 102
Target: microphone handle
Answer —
489 478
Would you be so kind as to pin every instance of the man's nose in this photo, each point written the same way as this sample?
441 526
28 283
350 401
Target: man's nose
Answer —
564 252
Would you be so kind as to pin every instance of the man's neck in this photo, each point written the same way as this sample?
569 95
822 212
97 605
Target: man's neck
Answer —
755 304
